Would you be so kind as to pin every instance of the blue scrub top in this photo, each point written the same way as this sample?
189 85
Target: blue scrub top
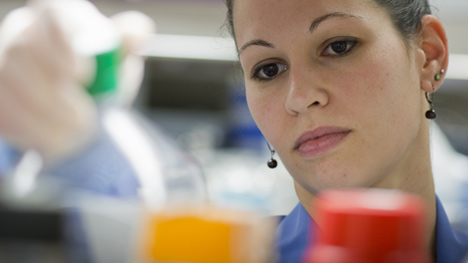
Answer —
294 231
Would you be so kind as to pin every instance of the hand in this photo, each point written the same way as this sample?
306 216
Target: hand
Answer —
43 106
136 29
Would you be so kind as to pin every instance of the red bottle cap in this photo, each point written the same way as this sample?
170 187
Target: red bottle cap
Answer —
368 226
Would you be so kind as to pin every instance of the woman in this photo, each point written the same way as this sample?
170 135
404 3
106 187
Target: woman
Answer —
342 91
337 87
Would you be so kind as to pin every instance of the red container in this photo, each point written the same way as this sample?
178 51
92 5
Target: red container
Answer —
368 226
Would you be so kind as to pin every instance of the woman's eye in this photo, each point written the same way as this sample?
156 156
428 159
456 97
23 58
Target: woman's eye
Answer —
339 48
269 71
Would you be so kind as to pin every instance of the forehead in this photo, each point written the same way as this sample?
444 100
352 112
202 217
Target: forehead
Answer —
259 18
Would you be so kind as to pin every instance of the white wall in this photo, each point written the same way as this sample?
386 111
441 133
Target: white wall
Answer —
453 14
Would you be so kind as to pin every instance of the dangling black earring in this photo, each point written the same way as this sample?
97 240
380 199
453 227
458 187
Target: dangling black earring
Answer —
272 163
431 114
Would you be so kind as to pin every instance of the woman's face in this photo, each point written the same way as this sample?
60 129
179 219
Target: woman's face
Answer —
333 88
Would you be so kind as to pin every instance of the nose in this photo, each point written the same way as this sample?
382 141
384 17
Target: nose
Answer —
304 93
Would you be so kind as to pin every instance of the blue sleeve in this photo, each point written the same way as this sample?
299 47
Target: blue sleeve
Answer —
101 168
8 157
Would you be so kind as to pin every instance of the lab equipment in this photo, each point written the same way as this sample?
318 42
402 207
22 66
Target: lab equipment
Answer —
206 233
368 226
127 159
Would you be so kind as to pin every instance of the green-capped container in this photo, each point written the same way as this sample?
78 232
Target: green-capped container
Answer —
106 77
94 38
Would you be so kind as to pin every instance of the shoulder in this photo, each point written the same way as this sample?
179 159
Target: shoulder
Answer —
293 234
452 245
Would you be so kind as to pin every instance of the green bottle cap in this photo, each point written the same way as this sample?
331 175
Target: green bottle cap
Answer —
107 71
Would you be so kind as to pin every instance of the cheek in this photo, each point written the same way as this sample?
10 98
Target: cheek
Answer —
260 110
268 111
380 90
384 105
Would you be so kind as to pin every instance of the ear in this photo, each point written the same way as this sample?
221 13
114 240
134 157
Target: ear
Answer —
433 48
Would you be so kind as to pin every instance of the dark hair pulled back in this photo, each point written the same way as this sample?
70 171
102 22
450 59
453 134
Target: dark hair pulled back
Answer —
406 15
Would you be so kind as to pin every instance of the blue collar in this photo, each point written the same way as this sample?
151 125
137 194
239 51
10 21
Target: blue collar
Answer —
294 231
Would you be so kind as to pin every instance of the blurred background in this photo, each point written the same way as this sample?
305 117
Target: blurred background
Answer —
193 91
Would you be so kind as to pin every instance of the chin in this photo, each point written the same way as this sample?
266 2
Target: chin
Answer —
332 178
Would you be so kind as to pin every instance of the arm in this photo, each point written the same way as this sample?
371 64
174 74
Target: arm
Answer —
50 112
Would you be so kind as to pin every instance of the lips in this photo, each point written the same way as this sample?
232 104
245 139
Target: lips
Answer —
320 140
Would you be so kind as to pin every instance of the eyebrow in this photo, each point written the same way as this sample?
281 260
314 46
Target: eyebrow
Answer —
319 20
256 42
313 26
